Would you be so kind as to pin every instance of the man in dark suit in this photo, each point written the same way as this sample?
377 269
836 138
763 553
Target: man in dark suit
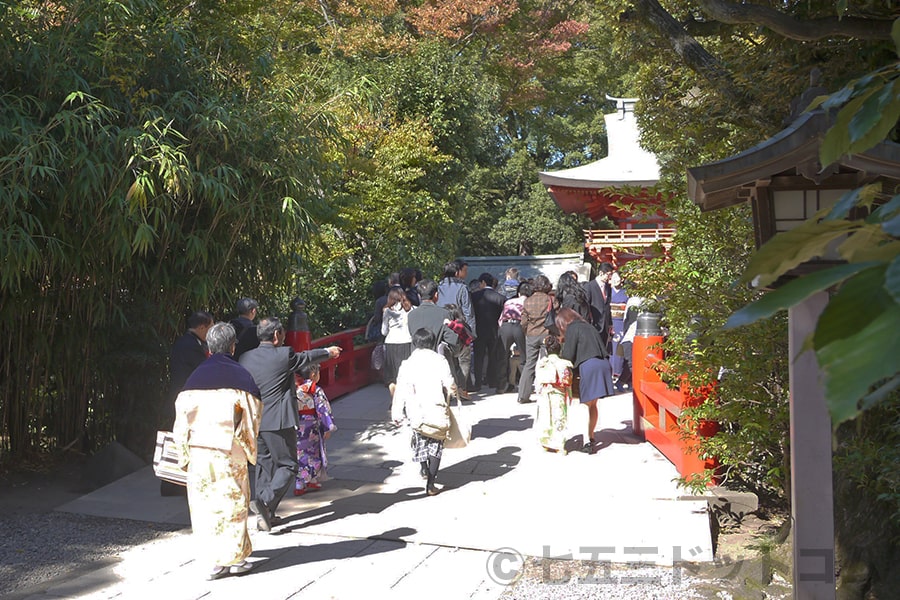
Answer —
244 326
487 304
186 354
272 366
599 292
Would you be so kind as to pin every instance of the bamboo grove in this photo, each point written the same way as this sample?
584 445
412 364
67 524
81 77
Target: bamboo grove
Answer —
141 171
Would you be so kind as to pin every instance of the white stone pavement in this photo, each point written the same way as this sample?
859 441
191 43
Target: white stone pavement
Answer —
372 531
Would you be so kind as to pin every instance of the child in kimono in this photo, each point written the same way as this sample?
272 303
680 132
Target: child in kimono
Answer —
553 379
316 425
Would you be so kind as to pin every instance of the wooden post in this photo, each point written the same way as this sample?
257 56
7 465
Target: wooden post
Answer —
812 502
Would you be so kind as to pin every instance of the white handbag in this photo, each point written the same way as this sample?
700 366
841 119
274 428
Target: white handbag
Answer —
166 459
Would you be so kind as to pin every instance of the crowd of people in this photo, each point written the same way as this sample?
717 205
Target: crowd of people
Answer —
251 419
498 328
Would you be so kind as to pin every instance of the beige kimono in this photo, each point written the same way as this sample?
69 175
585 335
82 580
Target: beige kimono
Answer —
216 430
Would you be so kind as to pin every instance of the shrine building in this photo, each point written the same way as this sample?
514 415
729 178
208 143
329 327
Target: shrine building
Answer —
620 187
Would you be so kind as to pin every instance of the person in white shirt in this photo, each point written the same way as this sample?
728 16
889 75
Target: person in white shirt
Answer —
397 340
424 388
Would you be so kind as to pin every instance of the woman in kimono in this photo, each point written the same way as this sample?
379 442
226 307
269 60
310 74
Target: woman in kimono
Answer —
316 425
216 423
553 379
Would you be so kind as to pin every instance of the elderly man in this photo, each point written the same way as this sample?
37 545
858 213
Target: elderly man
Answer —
272 366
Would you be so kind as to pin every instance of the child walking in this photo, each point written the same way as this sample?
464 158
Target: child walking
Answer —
553 379
424 387
316 425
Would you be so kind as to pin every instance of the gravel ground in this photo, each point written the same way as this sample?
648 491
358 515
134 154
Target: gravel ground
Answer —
42 548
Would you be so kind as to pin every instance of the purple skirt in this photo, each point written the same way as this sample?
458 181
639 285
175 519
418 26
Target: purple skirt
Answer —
596 379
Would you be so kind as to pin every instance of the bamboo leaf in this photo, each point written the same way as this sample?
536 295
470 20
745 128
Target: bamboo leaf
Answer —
792 293
842 207
882 393
837 139
868 243
885 211
892 226
895 35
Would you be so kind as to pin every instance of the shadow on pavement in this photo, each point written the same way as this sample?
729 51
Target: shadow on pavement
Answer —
607 437
474 469
494 427
279 559
358 504
483 467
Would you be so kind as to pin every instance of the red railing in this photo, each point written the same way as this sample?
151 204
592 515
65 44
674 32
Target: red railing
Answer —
657 408
351 371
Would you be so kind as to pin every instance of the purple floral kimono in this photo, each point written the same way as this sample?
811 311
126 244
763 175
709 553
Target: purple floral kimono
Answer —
315 419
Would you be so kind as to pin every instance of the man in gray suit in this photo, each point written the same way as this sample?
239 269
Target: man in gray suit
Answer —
272 366
428 315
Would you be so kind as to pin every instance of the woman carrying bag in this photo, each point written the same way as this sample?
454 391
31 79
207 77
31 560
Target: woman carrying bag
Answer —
422 395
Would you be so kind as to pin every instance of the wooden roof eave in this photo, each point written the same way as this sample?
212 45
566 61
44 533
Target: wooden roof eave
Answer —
716 185
731 181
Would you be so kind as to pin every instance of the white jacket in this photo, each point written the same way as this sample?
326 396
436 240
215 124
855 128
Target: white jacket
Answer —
424 383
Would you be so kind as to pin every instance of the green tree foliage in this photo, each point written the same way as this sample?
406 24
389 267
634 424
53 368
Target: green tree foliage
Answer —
850 344
715 79
695 289
388 220
145 162
533 224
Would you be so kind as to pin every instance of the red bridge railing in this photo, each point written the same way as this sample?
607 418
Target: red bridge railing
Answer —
352 370
657 408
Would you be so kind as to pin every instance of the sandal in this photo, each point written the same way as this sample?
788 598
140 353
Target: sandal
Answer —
312 485
240 568
588 448
217 573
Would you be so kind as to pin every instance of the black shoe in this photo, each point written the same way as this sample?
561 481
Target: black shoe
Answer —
525 401
588 448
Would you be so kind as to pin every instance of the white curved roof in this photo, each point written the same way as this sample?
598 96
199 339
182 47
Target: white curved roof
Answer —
627 163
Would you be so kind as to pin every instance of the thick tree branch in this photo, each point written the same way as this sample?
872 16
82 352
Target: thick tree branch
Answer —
796 29
688 49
